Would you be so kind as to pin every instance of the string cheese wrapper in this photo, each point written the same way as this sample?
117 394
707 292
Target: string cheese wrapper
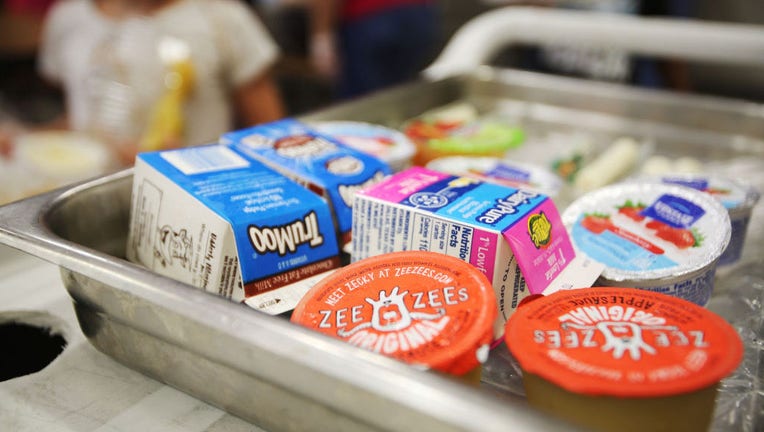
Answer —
615 162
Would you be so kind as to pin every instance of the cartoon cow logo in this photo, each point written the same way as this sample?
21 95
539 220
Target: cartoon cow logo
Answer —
173 246
390 314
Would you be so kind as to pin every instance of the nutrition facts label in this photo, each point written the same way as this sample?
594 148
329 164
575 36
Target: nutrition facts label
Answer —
401 229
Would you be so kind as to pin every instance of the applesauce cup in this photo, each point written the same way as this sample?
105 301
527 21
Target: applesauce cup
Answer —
424 308
623 359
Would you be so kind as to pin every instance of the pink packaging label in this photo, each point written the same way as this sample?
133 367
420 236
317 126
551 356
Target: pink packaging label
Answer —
399 187
483 252
541 245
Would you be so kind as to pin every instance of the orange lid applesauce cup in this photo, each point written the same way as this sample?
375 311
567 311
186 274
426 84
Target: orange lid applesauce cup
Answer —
424 308
623 359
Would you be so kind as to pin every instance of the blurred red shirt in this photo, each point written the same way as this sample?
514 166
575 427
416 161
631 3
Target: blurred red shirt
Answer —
355 9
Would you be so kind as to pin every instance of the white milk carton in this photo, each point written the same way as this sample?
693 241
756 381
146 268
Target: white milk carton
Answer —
319 162
221 221
513 236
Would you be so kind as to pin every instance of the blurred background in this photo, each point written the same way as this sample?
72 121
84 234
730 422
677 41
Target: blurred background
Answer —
305 73
304 90
25 94
136 84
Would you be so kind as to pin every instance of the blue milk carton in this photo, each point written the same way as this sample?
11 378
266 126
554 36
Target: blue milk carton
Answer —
318 161
221 221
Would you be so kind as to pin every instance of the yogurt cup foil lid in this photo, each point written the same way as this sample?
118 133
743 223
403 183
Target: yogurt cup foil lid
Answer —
501 171
386 144
734 194
649 231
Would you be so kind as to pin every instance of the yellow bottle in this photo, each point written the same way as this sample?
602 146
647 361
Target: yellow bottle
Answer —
166 123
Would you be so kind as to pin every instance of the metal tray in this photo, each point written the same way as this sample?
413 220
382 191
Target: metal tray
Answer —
283 377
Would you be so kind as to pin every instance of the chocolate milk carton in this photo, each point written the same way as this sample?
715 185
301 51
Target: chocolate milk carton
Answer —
318 161
221 221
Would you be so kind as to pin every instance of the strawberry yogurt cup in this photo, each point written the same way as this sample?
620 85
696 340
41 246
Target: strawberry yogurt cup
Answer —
501 171
654 236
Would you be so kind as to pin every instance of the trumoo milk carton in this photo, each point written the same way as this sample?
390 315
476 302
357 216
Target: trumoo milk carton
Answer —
319 162
513 236
223 222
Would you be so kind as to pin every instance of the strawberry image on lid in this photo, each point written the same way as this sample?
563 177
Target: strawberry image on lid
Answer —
423 308
612 352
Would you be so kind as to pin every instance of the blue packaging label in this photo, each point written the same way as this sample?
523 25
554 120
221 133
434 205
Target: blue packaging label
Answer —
674 211
502 171
279 227
700 184
322 163
471 201
647 229
440 194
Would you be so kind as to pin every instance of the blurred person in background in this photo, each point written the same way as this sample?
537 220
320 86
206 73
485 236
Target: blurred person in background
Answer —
20 24
664 73
143 75
366 45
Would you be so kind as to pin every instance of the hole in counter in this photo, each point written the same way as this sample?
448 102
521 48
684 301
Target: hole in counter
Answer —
30 342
